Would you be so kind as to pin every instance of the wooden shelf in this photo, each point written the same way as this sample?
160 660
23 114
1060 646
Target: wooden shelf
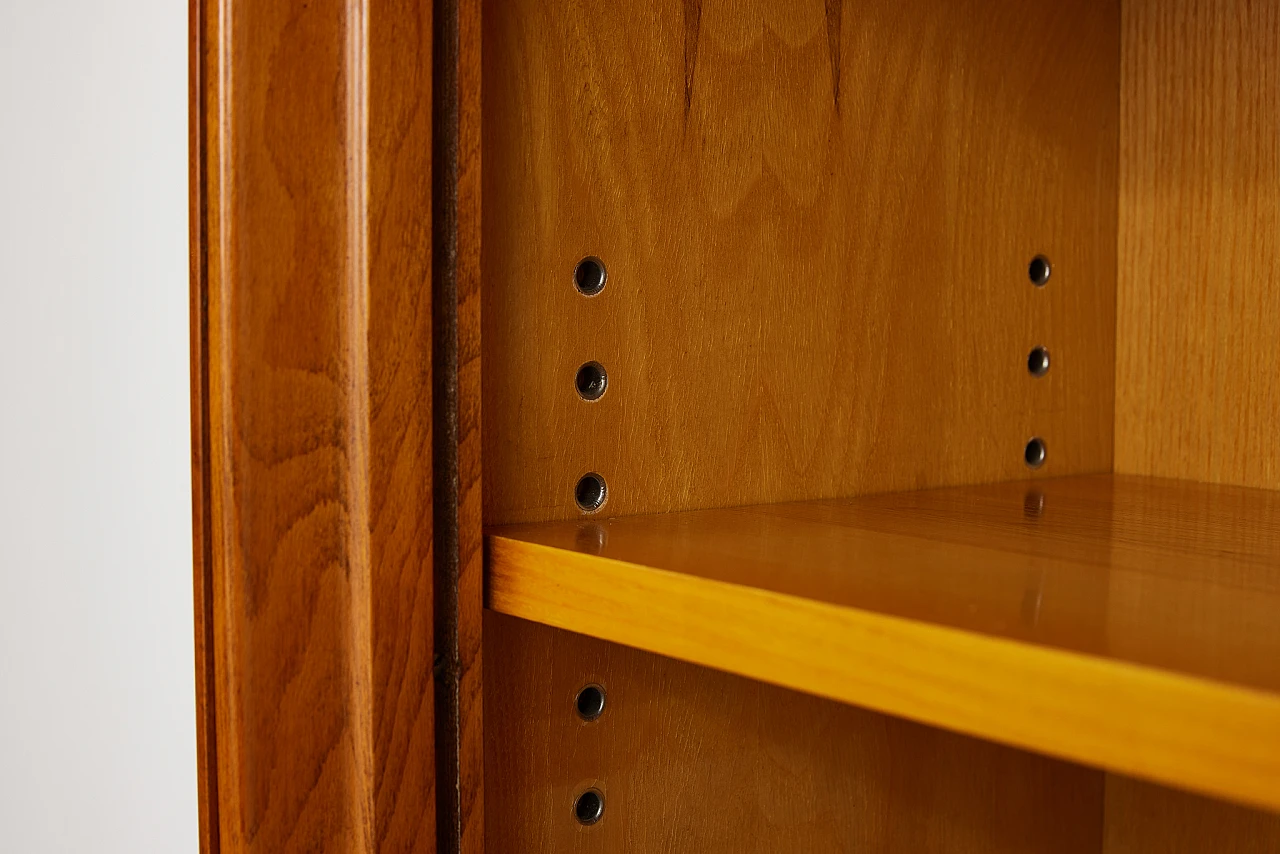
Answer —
1127 623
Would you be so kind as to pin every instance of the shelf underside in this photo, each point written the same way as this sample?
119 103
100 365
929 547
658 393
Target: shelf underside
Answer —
1127 623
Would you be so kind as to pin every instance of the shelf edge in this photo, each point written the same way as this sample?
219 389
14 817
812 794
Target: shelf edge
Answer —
1193 733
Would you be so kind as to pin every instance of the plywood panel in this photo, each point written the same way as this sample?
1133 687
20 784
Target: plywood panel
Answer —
1199 275
1146 819
817 220
691 759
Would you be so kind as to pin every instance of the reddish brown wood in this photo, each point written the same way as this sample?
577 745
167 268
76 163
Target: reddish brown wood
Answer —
470 509
398 88
312 399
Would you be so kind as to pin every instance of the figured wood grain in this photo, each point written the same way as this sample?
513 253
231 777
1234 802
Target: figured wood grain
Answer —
1199 246
1146 819
314 348
1128 623
817 219
690 759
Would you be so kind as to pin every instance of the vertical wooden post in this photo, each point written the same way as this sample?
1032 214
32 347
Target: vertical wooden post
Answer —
312 406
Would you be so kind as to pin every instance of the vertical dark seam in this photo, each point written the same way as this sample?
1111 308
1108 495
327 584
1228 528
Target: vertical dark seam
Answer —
444 356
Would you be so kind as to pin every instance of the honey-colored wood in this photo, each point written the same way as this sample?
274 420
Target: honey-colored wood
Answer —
1127 623
690 759
1167 574
1199 275
1197 311
313 342
1145 819
817 220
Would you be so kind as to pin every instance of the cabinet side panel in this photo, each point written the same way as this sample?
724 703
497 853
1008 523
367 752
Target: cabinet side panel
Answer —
691 759
817 221
1197 309
1199 244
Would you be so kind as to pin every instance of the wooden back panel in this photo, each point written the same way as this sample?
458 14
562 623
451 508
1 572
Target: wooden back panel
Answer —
1143 818
1199 281
691 759
817 220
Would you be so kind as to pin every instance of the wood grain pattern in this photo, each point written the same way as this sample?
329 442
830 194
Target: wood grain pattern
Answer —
1146 819
817 219
690 759
1127 623
315 154
470 504
397 224
1199 275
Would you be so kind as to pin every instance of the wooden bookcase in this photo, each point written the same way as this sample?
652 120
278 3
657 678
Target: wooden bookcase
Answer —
835 426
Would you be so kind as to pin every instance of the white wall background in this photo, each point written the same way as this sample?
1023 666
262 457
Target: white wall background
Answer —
97 709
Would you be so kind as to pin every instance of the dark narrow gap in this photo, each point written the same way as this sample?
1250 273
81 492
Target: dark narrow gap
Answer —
444 357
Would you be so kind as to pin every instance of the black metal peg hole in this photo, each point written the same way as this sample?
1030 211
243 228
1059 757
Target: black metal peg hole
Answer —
1038 362
589 807
590 275
1035 453
590 492
1039 271
591 381
590 702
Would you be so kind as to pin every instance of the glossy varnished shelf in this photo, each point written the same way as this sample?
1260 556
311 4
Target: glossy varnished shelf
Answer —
1128 623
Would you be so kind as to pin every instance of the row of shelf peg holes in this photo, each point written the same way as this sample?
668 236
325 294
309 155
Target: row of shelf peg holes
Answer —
592 380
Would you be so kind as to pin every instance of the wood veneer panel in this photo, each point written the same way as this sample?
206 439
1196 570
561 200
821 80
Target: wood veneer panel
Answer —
314 349
1146 819
1199 276
1129 623
817 220
691 759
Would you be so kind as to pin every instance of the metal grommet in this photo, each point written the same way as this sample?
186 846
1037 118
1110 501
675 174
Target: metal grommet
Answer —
590 493
591 381
590 702
1035 453
1038 362
1039 271
588 808
589 276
